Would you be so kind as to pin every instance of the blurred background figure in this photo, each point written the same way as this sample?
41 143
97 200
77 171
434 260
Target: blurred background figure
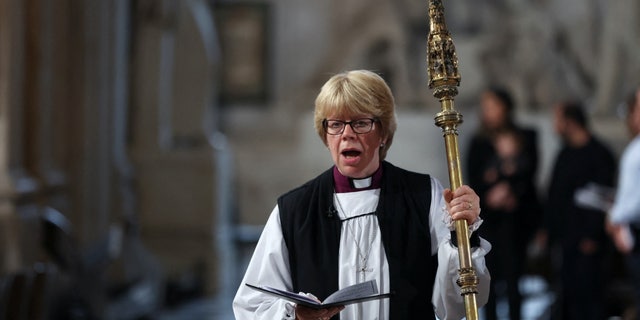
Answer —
624 217
577 230
502 163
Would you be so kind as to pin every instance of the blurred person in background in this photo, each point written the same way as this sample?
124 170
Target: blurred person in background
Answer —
363 219
577 229
624 216
502 164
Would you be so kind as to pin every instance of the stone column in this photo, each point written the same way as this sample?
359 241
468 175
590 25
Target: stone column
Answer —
45 100
173 92
17 187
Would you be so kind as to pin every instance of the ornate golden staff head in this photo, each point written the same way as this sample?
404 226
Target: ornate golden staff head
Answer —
442 59
444 79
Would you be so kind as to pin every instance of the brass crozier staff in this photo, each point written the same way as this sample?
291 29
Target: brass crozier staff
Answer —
444 79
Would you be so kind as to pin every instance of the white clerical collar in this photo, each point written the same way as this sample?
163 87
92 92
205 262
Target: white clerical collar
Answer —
362 183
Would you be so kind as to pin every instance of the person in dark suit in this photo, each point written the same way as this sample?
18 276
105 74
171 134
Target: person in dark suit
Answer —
502 163
578 230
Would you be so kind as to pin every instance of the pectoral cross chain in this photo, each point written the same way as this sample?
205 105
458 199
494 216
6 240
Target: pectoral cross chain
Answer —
364 269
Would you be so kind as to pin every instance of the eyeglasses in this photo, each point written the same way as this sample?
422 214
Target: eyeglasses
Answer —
359 126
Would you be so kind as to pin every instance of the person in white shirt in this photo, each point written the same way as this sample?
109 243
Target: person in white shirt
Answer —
363 219
624 216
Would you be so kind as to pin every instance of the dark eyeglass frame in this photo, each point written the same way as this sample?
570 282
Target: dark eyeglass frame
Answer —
357 130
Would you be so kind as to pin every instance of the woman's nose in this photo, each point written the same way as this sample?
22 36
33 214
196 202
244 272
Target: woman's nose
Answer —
348 131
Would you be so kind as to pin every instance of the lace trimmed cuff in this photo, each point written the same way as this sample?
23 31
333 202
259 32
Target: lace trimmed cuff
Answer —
446 218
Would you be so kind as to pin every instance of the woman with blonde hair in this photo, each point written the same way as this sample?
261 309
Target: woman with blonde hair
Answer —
363 219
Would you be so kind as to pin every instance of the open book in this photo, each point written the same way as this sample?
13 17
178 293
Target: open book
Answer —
360 292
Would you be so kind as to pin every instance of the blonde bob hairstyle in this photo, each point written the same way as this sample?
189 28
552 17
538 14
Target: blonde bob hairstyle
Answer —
354 93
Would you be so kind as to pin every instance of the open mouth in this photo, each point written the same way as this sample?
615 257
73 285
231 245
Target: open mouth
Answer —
351 153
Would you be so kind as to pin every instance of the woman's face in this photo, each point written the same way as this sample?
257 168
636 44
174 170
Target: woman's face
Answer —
494 113
356 155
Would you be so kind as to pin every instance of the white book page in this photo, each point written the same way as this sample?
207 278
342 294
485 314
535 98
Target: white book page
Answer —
359 290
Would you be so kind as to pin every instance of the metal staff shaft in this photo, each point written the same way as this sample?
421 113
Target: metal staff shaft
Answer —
444 79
